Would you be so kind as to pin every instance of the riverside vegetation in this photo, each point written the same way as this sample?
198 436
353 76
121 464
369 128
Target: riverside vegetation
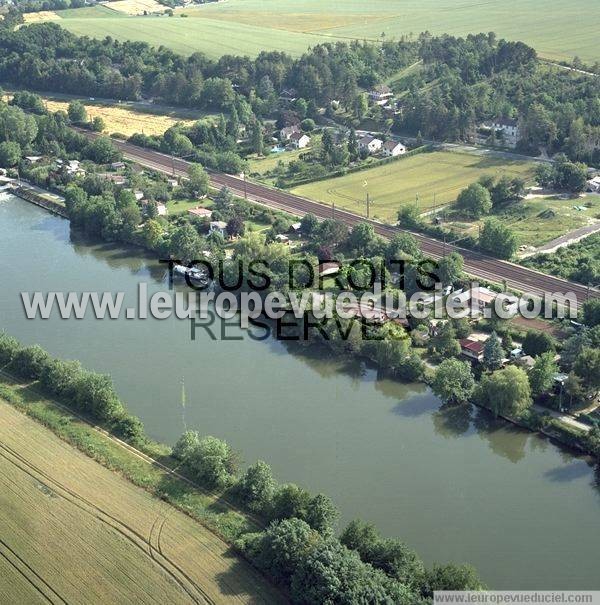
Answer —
297 548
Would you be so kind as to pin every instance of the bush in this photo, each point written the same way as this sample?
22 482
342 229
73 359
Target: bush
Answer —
128 427
30 361
8 348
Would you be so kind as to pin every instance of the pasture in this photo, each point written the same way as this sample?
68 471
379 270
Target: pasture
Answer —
442 174
557 30
73 531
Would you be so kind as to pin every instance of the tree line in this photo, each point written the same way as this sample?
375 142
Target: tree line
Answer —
298 549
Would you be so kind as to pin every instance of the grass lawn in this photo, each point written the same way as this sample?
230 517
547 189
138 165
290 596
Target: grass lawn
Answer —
558 30
175 207
269 162
443 173
73 528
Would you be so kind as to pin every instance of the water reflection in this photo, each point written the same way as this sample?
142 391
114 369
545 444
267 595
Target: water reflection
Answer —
452 421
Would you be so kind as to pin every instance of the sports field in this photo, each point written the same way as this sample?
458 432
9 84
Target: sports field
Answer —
440 173
72 531
558 30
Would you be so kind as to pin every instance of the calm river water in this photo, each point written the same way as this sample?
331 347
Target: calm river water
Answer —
455 485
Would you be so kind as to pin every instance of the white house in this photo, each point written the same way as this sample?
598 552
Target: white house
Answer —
370 144
218 227
381 94
391 149
508 129
299 140
593 185
285 134
161 209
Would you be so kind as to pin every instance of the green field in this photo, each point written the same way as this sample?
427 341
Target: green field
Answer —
558 30
443 173
537 221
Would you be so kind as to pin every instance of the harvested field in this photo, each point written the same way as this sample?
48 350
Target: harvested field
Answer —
135 7
123 120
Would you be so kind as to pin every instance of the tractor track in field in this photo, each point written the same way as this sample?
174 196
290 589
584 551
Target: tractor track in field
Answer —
180 577
18 568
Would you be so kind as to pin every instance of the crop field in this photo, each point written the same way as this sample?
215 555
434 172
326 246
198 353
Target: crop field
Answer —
135 7
72 531
440 173
558 30
122 119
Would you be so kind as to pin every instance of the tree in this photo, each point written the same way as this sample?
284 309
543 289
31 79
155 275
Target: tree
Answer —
152 234
475 200
541 376
444 343
574 389
544 175
591 312
330 573
186 445
8 348
198 181
493 354
535 343
235 226
224 199
309 224
587 367
29 362
360 536
77 112
257 142
95 395
212 462
353 149
103 151
10 154
498 239
98 124
280 549
454 381
290 500
186 243
402 246
361 238
331 232
257 486
450 268
321 513
58 375
505 391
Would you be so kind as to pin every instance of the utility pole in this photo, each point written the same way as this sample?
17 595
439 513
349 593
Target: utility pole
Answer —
332 209
173 163
368 205
245 186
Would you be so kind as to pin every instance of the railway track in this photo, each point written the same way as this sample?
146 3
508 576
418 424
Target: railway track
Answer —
477 265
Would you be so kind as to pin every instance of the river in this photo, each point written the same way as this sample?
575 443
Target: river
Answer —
455 485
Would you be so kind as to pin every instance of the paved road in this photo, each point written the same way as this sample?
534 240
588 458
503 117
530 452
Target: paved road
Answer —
567 239
476 264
